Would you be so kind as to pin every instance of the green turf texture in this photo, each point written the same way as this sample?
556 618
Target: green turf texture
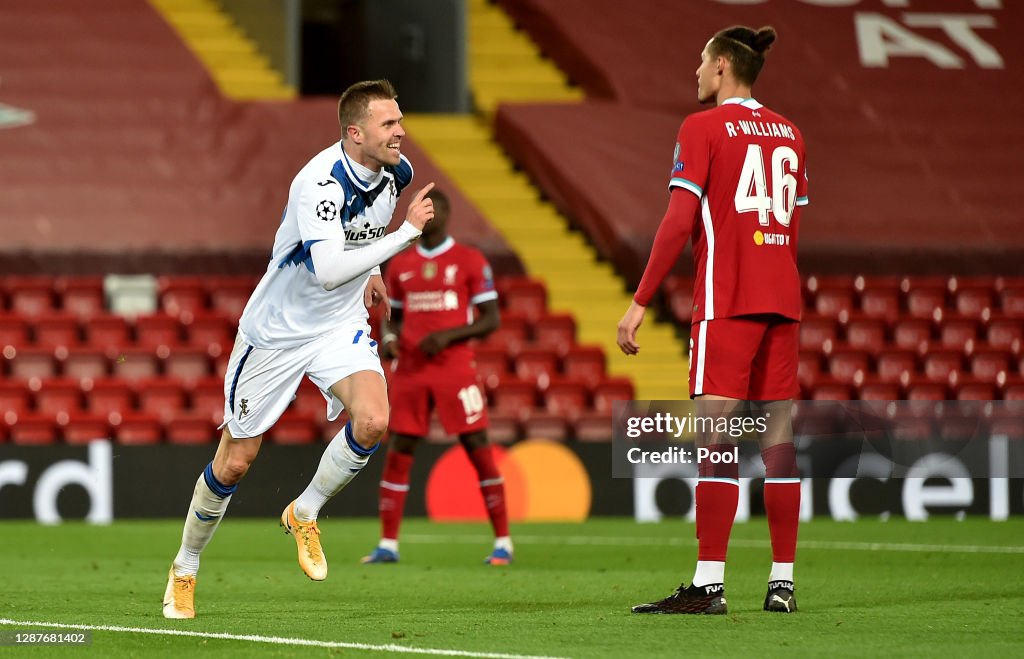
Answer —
567 595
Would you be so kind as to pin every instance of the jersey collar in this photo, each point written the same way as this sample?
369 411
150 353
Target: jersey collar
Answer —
446 245
748 103
350 171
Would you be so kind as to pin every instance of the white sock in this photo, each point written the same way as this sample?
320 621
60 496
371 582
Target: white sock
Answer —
341 462
209 501
709 572
389 544
504 542
781 572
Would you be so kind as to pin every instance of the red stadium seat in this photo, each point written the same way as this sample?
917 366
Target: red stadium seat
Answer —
1013 389
14 397
31 428
816 283
957 283
55 395
56 329
511 335
546 426
187 364
84 362
809 368
606 392
956 331
81 296
30 296
491 365
585 362
940 364
845 364
515 396
816 330
138 428
974 302
229 294
1011 302
524 295
834 301
866 334
25 363
830 389
108 331
593 427
182 295
210 328
555 330
894 365
308 400
912 333
537 364
207 397
881 302
974 389
136 364
295 428
879 390
157 330
566 397
84 427
164 397
1005 333
191 428
14 330
918 389
988 364
109 395
924 302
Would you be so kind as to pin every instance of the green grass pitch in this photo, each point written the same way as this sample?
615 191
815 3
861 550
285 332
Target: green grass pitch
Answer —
870 588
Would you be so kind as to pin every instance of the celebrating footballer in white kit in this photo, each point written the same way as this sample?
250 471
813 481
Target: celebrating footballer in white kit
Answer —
308 317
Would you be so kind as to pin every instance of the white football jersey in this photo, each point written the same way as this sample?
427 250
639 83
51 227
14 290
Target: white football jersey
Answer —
327 199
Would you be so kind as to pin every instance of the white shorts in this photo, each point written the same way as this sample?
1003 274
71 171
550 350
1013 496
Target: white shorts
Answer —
261 383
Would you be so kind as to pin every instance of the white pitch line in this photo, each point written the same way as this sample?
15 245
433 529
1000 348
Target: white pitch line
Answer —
275 640
737 542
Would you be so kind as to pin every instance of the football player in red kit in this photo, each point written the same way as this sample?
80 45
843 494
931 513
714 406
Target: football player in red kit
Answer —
738 184
434 289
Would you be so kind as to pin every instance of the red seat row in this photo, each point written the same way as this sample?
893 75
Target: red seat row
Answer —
52 329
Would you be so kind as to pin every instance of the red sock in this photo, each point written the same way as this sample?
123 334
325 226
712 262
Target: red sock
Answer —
782 500
492 487
716 510
394 486
717 496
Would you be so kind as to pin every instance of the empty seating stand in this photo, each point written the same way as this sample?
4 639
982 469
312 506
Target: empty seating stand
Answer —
74 371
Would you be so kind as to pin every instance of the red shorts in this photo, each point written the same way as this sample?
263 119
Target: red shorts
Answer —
455 392
749 358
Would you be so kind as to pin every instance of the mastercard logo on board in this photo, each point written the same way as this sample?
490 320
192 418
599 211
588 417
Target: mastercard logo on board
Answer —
544 482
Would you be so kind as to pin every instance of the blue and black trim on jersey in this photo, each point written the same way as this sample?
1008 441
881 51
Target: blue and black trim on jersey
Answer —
358 195
299 256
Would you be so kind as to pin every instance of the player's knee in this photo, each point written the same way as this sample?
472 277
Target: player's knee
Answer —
369 426
234 470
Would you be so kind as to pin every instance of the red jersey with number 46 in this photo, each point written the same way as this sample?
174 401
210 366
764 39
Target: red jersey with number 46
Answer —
747 166
436 290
